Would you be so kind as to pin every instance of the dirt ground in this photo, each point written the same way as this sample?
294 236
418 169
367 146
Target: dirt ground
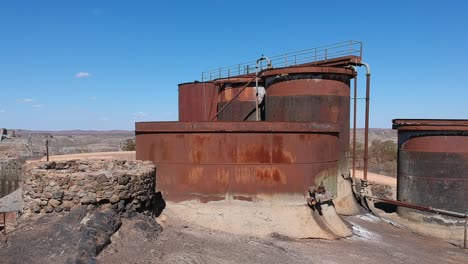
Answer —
32 144
374 241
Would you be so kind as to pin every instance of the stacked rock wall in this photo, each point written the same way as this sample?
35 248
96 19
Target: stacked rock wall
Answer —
124 186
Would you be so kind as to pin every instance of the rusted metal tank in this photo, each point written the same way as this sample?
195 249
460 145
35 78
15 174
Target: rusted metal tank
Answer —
311 94
241 108
432 167
250 161
197 101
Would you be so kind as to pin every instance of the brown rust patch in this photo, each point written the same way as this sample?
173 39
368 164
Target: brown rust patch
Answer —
222 177
270 175
279 176
196 175
242 176
255 153
280 155
197 148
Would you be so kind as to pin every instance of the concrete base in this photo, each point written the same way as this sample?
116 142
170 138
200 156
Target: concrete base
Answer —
345 203
261 219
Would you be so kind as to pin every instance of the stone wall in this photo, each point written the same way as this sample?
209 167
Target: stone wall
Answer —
123 186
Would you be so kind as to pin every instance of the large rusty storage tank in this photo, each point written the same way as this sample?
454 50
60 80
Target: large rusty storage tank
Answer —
250 161
311 94
241 108
197 101
432 167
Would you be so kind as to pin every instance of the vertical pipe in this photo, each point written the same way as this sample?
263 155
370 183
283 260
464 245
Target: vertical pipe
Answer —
465 235
354 127
205 117
366 130
257 114
47 148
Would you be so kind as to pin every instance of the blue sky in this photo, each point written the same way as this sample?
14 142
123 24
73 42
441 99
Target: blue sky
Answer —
130 55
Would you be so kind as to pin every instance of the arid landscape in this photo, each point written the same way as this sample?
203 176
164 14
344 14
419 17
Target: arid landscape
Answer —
174 239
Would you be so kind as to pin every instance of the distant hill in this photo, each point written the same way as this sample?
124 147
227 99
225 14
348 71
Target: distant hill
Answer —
77 132
375 134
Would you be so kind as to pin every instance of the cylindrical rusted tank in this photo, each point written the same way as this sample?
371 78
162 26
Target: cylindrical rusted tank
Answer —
243 107
432 167
311 94
250 161
197 101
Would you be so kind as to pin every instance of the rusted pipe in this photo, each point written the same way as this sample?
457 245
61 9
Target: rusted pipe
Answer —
366 129
419 207
233 98
428 209
354 124
257 114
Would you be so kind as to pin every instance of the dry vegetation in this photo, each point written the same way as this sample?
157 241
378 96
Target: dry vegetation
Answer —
382 151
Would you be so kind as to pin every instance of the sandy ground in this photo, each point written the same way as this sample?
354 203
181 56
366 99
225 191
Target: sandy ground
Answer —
118 155
373 241
377 178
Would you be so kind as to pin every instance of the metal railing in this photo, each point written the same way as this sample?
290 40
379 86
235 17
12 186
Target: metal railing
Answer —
307 56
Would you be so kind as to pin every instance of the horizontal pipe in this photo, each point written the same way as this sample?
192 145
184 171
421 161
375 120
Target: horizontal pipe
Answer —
419 207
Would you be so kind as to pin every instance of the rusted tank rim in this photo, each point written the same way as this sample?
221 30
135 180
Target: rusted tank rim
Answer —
233 127
302 70
194 82
431 124
236 79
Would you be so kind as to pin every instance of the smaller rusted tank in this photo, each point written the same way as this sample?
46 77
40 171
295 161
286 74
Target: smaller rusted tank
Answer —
311 94
197 101
432 167
243 107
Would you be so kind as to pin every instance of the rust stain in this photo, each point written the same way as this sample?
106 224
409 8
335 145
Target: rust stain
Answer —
198 148
196 175
263 174
256 153
270 176
222 177
280 155
279 176
242 176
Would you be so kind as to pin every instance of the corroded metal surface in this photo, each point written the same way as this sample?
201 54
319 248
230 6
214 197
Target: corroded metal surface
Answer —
432 165
311 94
243 107
248 161
197 101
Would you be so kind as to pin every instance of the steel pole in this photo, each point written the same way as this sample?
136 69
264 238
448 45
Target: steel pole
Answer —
366 129
354 128
47 149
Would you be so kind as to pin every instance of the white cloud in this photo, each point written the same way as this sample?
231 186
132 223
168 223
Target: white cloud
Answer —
25 100
139 115
37 105
92 98
83 75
